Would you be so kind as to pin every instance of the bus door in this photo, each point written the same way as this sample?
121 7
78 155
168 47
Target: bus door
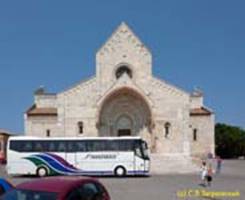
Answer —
138 161
141 159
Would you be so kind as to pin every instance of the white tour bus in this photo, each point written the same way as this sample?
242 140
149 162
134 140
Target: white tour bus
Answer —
77 156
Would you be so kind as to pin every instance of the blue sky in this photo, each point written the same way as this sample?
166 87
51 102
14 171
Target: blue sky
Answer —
194 43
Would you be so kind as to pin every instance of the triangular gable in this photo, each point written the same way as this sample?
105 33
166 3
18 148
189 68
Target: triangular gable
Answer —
121 35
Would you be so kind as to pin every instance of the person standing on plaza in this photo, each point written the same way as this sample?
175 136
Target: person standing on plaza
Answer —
218 164
210 156
209 176
204 171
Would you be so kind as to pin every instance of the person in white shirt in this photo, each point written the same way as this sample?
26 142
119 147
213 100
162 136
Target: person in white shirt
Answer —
204 171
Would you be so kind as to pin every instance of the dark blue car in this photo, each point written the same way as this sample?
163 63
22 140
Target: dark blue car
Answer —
4 186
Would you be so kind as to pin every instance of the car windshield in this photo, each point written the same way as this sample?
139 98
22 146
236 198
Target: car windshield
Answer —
18 194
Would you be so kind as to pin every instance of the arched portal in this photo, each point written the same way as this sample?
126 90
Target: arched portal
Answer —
125 112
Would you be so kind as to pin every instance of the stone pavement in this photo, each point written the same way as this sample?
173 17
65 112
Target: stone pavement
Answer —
165 187
162 164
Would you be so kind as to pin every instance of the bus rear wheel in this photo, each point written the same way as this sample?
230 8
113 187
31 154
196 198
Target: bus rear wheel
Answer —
120 171
42 172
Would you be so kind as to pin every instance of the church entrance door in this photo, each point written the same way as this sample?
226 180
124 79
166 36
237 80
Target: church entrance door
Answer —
124 132
124 125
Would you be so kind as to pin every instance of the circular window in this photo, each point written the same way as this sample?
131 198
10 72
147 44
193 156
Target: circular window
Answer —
123 69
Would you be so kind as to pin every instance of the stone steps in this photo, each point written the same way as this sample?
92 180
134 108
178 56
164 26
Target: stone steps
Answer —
172 164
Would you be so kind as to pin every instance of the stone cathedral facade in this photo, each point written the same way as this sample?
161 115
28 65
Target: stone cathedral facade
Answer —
125 99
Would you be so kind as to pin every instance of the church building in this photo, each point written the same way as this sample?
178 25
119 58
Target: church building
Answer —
125 99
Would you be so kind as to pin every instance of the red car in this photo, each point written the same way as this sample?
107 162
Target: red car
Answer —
58 188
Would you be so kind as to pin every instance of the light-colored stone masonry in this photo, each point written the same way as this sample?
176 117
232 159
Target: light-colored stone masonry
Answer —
136 102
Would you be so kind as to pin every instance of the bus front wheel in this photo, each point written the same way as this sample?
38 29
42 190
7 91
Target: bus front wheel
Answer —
120 171
42 171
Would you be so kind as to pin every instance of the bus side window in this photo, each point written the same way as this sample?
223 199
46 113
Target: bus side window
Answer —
91 146
27 146
72 146
51 146
112 145
81 147
14 145
61 146
96 145
126 145
102 145
39 146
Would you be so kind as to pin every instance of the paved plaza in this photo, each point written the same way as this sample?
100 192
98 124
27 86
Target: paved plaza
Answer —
167 187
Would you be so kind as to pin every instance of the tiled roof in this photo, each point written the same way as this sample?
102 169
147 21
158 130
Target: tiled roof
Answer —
200 111
34 111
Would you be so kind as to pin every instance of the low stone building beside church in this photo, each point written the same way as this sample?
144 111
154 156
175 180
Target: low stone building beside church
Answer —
125 99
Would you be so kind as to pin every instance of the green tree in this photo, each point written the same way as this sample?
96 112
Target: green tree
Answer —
230 141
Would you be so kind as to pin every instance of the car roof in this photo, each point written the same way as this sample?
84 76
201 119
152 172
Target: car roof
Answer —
55 184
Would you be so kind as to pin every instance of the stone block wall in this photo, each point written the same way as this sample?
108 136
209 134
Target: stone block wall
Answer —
205 142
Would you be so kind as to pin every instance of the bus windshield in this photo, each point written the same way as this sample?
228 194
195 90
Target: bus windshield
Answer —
141 150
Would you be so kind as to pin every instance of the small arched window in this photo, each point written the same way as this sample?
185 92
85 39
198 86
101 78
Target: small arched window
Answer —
167 126
123 69
195 134
47 133
80 127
